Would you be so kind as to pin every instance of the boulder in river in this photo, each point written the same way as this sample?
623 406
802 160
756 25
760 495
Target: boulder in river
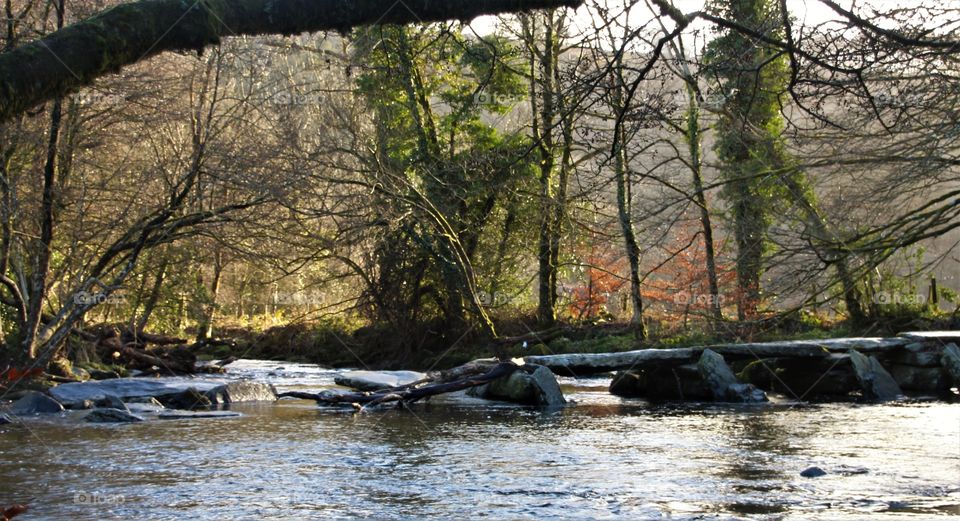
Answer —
538 387
875 381
723 384
34 402
377 380
110 415
813 472
242 391
951 363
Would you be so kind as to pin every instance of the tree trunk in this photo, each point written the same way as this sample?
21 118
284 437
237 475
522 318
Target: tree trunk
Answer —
750 234
154 296
38 284
543 104
73 57
696 169
621 173
205 327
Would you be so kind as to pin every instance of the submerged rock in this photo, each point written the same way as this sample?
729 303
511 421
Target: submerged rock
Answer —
813 472
876 382
723 384
34 402
377 380
180 415
109 415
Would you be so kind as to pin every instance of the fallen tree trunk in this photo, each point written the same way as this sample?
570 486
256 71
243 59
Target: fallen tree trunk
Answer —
76 55
405 394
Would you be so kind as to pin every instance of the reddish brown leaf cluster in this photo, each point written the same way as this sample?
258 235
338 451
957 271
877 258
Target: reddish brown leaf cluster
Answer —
604 280
13 511
13 374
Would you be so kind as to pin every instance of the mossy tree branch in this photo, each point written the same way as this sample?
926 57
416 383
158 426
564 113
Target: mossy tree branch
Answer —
76 55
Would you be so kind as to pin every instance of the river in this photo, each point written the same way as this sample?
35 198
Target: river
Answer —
602 458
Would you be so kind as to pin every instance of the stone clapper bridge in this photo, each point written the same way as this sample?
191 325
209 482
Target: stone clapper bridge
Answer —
876 369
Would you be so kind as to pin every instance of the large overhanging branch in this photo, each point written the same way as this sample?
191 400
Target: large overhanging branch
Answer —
76 55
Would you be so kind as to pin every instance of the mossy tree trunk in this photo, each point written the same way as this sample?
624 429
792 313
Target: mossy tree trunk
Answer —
76 55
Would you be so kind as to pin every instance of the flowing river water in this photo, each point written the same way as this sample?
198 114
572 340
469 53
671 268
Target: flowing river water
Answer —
602 458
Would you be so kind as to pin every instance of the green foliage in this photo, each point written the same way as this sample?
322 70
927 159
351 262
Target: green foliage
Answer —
451 174
751 80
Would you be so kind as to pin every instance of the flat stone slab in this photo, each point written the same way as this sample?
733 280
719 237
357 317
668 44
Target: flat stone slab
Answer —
574 364
134 389
176 414
943 336
125 388
36 403
801 348
377 380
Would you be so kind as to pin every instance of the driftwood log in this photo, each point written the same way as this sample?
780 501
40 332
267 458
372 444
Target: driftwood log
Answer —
413 392
159 354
